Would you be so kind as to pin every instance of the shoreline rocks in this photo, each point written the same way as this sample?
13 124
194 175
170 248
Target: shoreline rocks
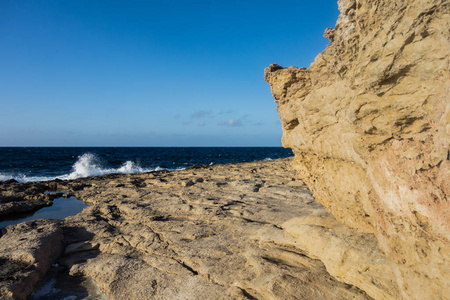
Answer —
225 235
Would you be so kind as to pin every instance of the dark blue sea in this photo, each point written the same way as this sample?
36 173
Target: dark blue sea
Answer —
46 163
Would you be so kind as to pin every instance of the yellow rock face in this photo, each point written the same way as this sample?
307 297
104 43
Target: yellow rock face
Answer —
369 123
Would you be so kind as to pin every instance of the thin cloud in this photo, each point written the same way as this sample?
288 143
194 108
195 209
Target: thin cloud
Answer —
200 114
231 123
226 112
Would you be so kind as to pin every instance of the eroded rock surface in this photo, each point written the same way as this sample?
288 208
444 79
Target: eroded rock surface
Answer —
368 122
213 232
27 252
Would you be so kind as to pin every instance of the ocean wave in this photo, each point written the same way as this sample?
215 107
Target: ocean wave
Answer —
87 165
23 178
4 177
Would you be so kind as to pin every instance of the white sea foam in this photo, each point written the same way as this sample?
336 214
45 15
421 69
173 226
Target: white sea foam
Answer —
4 177
24 178
267 159
17 177
87 165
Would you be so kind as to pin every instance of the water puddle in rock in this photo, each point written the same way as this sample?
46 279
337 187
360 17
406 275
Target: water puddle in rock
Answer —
60 209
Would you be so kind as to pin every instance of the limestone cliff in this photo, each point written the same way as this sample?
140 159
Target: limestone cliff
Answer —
368 122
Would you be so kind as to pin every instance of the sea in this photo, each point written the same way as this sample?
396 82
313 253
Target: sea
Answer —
26 164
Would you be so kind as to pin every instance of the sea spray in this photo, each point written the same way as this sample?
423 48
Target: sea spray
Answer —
89 165
130 167
86 165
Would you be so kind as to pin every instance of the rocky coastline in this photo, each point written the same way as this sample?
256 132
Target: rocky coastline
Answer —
236 231
360 212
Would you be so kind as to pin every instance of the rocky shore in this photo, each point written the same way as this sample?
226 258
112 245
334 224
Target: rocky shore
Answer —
236 231
368 123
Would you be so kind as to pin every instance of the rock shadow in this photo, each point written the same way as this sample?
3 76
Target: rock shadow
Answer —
58 283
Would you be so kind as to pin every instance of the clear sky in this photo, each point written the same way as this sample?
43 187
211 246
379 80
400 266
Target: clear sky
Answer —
150 73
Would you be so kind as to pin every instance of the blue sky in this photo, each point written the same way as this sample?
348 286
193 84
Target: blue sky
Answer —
150 73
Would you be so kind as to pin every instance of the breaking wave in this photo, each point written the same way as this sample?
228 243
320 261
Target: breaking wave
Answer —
18 177
87 165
